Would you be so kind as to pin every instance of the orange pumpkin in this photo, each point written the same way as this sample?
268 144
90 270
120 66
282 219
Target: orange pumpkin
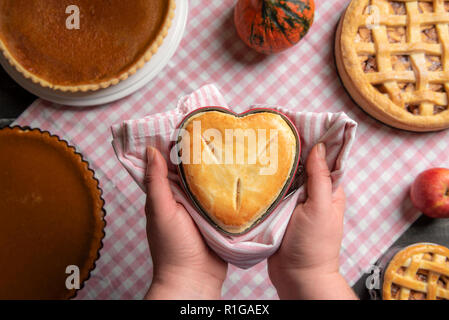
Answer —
271 26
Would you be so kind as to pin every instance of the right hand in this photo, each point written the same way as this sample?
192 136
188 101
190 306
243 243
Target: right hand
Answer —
306 266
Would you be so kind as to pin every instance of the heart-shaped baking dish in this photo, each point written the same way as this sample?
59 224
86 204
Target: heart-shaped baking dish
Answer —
237 168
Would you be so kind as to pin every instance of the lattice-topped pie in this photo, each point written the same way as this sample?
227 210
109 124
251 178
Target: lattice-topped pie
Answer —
419 272
393 58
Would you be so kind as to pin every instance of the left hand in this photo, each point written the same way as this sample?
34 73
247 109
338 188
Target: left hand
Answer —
184 266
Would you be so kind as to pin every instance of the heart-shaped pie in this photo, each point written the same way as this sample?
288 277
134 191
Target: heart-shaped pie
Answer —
237 168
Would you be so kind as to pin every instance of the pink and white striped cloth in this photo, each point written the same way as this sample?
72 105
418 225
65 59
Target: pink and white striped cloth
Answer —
132 137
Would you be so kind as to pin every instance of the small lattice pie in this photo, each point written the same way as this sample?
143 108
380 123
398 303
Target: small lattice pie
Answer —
231 191
419 272
393 58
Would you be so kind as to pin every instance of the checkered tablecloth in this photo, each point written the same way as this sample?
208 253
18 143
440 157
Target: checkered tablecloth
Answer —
384 161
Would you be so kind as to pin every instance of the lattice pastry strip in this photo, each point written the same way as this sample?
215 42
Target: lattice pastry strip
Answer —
419 59
384 64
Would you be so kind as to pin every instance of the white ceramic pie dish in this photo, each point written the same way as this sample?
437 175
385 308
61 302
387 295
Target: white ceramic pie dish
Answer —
124 88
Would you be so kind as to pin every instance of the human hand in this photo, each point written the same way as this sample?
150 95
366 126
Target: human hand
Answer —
183 265
306 266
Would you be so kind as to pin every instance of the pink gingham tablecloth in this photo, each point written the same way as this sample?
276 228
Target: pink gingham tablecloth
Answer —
384 161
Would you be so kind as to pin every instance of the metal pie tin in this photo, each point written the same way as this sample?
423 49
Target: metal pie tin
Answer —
293 183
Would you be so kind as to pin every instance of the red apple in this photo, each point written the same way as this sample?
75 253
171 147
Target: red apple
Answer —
430 193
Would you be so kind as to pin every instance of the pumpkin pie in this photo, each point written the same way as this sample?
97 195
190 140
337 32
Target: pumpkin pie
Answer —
418 272
115 38
237 168
392 57
51 216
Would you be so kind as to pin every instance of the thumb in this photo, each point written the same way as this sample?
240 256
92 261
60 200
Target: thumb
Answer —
160 201
319 183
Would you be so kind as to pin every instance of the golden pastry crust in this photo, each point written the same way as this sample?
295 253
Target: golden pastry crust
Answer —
55 215
397 69
235 196
418 272
105 67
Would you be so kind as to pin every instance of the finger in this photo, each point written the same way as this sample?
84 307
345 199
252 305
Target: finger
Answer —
339 200
319 183
160 201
